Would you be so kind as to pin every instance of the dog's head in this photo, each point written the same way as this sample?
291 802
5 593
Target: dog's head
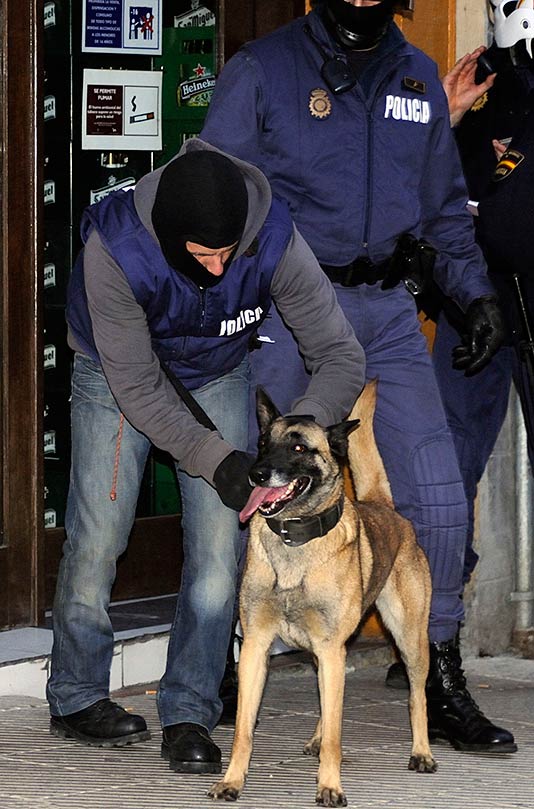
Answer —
298 470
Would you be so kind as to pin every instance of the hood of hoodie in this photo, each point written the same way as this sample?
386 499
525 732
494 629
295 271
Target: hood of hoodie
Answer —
257 185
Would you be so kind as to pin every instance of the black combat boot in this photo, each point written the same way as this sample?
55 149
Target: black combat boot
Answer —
453 714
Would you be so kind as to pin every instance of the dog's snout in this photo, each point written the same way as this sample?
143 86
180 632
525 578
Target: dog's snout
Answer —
259 474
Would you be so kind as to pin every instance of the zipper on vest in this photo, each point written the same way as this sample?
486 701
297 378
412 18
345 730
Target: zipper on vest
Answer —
367 218
202 308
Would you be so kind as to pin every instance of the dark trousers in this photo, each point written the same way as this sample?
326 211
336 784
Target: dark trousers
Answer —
476 408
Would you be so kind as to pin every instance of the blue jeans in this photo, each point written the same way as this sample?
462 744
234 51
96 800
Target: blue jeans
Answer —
410 426
97 531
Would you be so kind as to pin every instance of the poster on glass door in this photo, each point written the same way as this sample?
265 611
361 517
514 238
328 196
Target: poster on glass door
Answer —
121 26
121 109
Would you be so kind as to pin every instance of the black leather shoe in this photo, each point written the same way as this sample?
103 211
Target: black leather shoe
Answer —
453 714
188 748
397 677
103 724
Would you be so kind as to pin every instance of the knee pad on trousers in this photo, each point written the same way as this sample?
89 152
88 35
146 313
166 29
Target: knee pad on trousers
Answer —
438 510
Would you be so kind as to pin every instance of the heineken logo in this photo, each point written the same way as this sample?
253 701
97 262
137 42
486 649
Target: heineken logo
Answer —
196 88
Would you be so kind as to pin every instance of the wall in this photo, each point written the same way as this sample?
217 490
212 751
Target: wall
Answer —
471 25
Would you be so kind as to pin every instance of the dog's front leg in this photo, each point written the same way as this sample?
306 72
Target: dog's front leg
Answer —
252 671
331 687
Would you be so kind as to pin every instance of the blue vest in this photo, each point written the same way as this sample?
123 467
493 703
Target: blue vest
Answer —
201 334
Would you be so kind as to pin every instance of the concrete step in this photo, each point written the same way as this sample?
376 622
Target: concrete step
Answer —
139 654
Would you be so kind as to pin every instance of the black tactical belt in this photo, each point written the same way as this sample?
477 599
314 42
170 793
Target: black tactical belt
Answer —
359 271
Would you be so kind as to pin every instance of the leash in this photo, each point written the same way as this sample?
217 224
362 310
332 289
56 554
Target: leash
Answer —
191 403
198 412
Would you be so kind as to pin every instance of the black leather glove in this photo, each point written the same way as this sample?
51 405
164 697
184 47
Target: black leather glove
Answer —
231 479
484 335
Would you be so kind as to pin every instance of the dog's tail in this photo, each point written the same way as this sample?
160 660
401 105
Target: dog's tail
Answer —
365 462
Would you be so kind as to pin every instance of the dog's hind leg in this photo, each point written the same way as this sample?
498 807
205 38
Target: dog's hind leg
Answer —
403 605
252 672
313 745
331 672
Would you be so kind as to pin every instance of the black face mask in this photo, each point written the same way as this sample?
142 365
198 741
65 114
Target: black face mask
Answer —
359 28
201 198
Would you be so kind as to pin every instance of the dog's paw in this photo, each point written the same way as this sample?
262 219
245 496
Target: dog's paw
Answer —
422 764
225 791
312 747
330 797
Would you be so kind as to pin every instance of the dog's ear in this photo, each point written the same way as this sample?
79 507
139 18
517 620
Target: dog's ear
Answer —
338 436
266 411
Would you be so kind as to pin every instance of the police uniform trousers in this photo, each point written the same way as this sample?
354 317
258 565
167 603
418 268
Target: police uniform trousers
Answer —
476 408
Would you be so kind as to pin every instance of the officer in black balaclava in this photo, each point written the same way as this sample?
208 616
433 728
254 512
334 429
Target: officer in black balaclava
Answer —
359 24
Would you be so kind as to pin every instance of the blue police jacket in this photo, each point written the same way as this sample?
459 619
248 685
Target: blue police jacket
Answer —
194 331
358 168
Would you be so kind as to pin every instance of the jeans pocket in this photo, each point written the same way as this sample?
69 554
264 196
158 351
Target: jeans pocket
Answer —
89 383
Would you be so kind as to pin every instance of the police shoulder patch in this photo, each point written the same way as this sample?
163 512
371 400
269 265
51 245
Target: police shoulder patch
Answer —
414 84
507 164
320 105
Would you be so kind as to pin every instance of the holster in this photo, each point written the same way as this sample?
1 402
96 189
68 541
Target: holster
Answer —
412 263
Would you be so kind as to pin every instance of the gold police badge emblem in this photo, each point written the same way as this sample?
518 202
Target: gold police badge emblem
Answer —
480 102
320 105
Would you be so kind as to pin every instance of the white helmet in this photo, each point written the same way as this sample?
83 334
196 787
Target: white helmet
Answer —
513 21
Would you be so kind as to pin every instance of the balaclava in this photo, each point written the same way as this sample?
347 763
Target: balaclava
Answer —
359 27
202 198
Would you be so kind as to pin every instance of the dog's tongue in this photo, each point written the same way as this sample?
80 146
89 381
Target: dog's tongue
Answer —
257 496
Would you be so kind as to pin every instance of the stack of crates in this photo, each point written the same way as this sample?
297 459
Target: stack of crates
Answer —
57 256
188 65
75 178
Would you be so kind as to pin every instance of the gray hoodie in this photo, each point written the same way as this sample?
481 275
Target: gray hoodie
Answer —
301 292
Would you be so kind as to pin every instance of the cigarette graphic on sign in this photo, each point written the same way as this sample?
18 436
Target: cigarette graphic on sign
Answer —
142 116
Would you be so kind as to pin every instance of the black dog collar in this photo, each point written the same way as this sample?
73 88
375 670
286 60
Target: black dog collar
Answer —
298 530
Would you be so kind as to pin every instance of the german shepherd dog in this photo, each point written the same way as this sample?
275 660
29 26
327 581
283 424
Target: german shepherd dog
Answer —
316 562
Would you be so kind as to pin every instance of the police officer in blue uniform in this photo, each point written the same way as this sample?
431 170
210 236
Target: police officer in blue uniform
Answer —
496 142
351 125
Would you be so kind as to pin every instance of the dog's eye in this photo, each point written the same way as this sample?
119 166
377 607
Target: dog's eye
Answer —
299 448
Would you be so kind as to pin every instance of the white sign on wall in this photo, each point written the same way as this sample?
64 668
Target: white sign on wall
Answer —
122 110
121 26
